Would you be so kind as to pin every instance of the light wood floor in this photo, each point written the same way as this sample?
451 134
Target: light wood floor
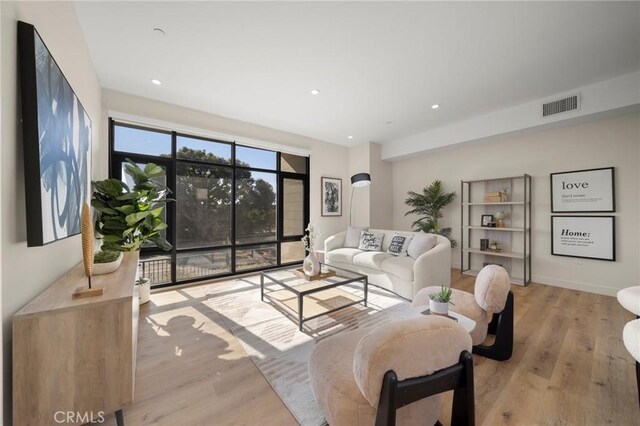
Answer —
569 366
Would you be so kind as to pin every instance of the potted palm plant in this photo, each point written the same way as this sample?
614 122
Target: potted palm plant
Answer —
439 301
428 205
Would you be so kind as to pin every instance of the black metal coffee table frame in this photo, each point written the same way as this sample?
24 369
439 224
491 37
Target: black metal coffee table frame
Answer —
301 294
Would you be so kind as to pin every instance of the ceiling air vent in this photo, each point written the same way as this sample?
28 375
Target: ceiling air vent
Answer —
570 103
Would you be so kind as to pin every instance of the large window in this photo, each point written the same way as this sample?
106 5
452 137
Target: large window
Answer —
236 208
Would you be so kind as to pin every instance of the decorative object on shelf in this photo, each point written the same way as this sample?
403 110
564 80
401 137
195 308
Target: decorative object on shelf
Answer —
585 191
491 263
500 215
56 133
144 290
484 243
106 262
331 196
310 265
589 237
428 206
127 219
492 225
493 197
439 301
486 220
359 180
493 245
504 194
87 242
87 256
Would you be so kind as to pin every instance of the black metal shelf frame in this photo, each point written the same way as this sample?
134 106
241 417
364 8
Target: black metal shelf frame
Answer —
466 207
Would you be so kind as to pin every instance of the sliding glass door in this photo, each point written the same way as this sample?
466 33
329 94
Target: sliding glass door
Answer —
236 208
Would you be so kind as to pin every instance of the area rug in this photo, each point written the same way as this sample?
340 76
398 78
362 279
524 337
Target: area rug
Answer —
276 346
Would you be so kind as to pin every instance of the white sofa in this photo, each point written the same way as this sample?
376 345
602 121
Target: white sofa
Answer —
400 274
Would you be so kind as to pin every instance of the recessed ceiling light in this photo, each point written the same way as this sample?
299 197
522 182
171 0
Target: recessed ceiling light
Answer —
156 81
315 91
349 137
159 31
435 106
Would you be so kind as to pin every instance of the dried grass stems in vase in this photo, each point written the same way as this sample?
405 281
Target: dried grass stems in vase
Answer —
311 265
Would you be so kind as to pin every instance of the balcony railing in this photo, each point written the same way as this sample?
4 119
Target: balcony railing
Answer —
199 264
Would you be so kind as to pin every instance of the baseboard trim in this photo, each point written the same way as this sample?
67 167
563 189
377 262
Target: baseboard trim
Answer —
570 284
574 285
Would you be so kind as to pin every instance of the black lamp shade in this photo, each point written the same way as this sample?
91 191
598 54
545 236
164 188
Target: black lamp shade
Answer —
360 179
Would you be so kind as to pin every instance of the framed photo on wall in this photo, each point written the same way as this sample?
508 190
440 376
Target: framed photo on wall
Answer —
589 237
331 196
585 191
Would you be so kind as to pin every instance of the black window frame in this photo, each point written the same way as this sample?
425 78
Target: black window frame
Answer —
116 158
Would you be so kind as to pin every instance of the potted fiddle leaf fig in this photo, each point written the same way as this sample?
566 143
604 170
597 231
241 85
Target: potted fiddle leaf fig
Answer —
130 217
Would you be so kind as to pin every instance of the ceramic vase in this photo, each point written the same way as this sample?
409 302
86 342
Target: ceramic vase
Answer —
107 268
311 266
438 308
144 288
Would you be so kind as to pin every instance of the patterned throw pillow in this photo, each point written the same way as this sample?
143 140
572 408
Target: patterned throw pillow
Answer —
399 244
371 241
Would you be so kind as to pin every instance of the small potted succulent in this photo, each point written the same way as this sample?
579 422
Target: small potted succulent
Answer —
107 261
439 301
494 245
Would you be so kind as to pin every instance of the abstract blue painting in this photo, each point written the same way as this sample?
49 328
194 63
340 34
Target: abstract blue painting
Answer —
62 150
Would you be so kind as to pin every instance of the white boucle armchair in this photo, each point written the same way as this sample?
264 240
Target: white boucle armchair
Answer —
402 275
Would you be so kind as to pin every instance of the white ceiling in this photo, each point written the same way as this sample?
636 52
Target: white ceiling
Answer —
372 62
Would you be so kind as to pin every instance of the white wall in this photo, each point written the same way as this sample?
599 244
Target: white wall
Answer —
600 143
27 271
621 93
326 159
382 189
372 205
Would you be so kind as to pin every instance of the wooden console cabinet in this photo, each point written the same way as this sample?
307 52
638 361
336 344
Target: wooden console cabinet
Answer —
76 355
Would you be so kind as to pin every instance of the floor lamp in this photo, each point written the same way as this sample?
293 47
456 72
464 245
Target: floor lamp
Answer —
358 180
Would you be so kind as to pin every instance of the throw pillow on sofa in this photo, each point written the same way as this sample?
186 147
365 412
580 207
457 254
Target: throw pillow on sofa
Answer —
399 244
353 236
371 241
421 243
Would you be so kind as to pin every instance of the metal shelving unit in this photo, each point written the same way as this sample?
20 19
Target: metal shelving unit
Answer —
514 238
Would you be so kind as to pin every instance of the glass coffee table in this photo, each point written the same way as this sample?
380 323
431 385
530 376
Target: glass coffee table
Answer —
305 300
